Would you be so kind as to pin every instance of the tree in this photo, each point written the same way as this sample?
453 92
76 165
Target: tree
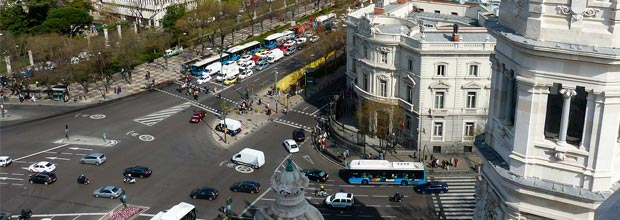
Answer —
79 4
14 19
39 9
173 13
373 118
67 20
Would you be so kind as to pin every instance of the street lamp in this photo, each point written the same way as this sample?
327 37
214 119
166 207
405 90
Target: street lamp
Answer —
275 88
306 76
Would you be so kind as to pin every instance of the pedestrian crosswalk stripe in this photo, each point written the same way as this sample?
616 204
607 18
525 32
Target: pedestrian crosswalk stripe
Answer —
459 202
154 118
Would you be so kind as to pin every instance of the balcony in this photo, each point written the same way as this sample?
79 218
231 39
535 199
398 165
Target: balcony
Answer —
369 96
438 112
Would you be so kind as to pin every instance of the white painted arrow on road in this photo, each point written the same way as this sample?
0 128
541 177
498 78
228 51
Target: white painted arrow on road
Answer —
77 148
9 178
57 158
308 159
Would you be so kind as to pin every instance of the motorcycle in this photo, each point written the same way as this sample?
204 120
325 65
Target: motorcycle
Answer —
129 180
396 198
84 180
321 193
25 214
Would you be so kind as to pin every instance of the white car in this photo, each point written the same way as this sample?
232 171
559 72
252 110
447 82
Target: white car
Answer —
340 200
301 40
291 146
5 161
314 38
203 79
42 166
245 58
289 43
246 73
247 65
265 54
231 63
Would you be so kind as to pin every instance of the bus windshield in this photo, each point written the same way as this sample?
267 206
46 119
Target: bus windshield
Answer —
385 172
181 211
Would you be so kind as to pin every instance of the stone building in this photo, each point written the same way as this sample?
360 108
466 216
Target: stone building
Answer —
144 12
291 203
428 67
551 148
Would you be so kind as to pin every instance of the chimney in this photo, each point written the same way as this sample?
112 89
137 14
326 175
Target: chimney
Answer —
379 7
455 33
401 1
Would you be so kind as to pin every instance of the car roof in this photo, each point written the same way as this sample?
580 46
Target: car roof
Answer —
109 187
290 141
206 189
43 163
4 157
96 154
343 195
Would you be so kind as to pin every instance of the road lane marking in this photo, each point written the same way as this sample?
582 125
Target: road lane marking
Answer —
40 152
308 159
65 153
17 174
57 158
322 107
9 178
156 117
305 108
78 148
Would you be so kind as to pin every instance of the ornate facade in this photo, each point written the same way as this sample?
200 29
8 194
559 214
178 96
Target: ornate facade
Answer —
551 146
411 60
144 12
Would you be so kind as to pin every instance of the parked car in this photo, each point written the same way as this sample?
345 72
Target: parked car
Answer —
138 171
245 186
262 66
289 43
234 126
340 200
42 178
301 40
431 187
246 65
299 135
246 57
5 161
94 158
204 193
291 146
5 215
245 73
314 38
111 192
198 116
203 79
230 80
316 175
42 166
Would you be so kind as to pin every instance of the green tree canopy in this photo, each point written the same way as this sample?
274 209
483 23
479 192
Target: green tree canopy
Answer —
14 19
79 4
173 13
63 20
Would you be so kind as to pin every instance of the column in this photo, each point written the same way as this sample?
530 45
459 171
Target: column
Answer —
587 123
509 96
500 95
567 94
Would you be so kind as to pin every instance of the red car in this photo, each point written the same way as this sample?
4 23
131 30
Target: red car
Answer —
198 116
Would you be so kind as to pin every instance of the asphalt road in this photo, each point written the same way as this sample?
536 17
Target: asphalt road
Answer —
183 156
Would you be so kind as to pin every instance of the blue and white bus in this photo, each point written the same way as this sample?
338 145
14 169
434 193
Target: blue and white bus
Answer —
386 172
234 53
271 41
181 211
199 67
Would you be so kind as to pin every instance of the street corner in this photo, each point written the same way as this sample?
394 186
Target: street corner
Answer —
86 140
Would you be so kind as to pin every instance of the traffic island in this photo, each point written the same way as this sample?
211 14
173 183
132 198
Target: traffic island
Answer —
124 213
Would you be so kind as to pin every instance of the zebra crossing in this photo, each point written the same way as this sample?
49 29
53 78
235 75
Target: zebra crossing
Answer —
292 124
459 202
154 118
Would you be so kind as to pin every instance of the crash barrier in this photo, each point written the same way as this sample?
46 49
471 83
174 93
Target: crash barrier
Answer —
286 82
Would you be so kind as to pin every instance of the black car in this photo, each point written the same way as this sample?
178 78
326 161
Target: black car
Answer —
431 187
43 177
245 186
138 171
316 175
204 193
298 135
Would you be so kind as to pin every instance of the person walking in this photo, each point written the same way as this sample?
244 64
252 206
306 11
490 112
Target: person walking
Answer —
456 162
67 131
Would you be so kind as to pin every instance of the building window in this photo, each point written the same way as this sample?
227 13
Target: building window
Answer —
437 11
366 55
365 82
408 122
438 129
469 129
468 149
471 99
409 94
383 88
455 13
439 99
410 65
384 56
441 70
473 71
436 149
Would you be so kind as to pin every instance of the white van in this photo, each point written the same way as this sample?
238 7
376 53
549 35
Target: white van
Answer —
250 157
213 69
276 55
340 200
228 71
231 126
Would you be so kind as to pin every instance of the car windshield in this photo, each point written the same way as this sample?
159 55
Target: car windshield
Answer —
115 189
321 173
48 164
293 146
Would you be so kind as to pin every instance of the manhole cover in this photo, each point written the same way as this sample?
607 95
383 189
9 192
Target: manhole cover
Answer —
244 169
146 137
97 116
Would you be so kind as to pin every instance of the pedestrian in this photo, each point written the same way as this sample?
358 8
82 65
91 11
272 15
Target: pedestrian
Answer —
456 161
67 131
259 101
119 89
381 156
124 200
153 82
105 138
115 90
347 152
451 161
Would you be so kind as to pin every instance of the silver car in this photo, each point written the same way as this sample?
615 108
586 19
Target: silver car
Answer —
111 192
93 158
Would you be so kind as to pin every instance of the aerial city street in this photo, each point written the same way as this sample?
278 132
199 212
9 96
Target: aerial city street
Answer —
307 109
